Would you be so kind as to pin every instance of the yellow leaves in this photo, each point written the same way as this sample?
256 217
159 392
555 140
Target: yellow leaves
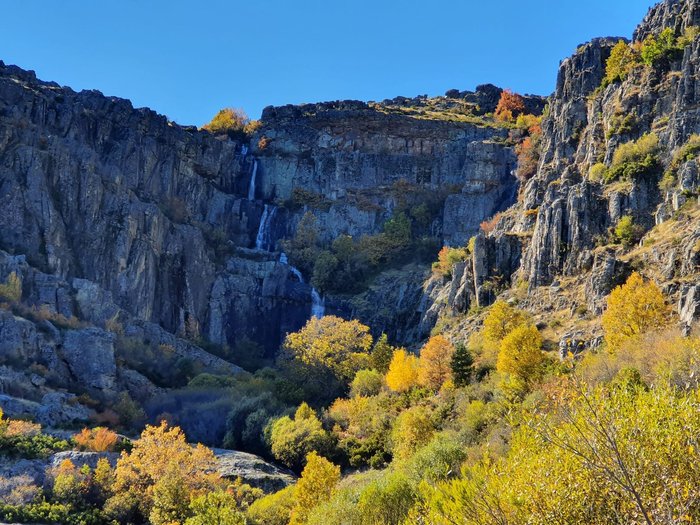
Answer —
11 290
403 371
500 321
162 457
633 308
98 439
521 354
435 366
340 346
317 483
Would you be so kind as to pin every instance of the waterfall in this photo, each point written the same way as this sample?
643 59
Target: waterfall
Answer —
262 240
285 260
244 150
318 304
251 187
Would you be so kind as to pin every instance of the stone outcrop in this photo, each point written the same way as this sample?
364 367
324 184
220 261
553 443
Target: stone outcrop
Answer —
352 154
565 220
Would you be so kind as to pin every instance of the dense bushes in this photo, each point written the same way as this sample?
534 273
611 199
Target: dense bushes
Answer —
655 51
233 122
635 160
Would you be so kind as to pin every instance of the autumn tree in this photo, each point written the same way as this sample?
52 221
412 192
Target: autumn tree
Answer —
366 383
403 371
633 309
435 362
521 354
412 429
500 321
318 480
332 345
510 105
228 120
161 468
292 439
462 365
622 59
215 508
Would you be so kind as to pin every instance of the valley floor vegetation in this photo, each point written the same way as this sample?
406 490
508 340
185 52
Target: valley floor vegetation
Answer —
491 430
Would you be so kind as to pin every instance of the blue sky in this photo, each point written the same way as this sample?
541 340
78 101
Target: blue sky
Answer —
187 59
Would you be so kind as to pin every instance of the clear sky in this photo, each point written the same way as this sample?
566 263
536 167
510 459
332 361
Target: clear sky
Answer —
187 59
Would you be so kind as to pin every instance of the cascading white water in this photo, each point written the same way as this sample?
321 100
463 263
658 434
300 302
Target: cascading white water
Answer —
318 304
251 187
262 240
285 260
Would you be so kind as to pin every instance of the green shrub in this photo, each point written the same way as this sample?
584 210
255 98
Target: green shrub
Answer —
32 447
366 383
661 48
627 232
635 159
274 509
11 290
622 125
597 172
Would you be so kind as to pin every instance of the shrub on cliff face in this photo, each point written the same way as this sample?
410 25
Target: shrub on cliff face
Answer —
509 107
635 159
529 149
687 152
627 232
621 61
228 120
447 258
11 290
661 48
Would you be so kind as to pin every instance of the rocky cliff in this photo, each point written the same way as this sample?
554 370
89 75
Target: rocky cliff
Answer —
131 234
556 251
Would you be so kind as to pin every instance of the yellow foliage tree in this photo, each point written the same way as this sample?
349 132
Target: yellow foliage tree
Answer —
316 485
331 343
435 366
228 120
403 371
161 468
98 439
521 354
412 429
501 320
633 309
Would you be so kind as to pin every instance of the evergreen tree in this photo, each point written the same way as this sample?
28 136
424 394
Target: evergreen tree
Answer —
462 365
